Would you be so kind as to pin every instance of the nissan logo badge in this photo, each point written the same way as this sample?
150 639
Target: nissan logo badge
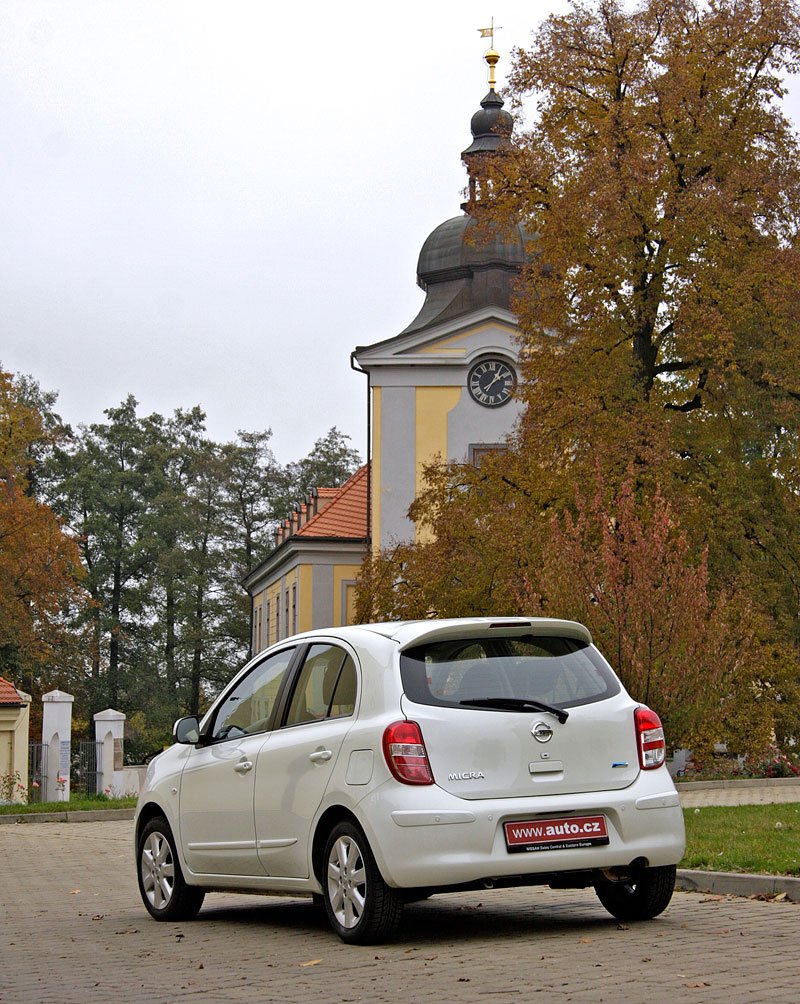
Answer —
542 732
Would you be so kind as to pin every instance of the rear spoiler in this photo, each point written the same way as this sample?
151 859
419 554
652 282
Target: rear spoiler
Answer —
409 635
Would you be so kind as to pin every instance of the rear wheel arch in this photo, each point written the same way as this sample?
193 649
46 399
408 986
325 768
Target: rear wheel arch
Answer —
329 818
361 908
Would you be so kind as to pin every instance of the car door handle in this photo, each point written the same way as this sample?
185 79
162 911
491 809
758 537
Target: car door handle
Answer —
243 766
320 756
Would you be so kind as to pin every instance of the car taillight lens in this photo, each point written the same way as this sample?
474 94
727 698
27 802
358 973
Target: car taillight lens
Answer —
650 739
405 753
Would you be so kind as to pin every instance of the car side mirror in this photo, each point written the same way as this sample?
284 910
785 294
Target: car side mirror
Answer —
187 730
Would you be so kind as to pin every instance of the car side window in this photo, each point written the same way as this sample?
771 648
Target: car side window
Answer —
326 686
248 707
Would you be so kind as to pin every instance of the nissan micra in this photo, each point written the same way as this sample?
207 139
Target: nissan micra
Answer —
374 765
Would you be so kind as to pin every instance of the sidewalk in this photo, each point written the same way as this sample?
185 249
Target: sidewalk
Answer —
749 791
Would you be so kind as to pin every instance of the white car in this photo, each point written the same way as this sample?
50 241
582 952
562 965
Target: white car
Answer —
374 765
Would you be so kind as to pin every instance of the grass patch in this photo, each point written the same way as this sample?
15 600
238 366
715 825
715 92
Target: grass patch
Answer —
75 805
763 839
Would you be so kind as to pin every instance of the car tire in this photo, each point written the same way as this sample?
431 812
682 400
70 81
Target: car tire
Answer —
362 909
644 896
163 888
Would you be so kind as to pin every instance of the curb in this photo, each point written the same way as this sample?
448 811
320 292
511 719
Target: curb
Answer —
86 816
738 884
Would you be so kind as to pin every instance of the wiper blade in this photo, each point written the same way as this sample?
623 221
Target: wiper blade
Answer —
516 704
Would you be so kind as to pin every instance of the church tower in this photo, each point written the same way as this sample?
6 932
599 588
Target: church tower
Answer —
443 388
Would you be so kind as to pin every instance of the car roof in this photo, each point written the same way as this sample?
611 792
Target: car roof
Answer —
408 634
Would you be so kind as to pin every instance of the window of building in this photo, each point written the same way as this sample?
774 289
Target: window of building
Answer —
286 612
266 621
256 628
294 609
478 451
258 639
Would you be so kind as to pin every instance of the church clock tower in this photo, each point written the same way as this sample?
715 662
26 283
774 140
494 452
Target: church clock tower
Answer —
444 386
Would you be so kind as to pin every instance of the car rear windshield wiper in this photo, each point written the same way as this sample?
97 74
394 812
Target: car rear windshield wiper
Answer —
516 704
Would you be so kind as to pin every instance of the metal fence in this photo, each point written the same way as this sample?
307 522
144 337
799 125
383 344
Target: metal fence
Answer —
87 773
37 771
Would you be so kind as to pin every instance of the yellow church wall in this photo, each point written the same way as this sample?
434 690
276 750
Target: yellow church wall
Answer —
433 404
450 345
344 594
305 595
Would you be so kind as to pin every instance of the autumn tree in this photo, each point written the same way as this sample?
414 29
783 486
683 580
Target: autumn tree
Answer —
623 566
659 316
40 570
485 529
659 336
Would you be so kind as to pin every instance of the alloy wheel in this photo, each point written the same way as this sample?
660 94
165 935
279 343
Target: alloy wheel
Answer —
158 870
347 881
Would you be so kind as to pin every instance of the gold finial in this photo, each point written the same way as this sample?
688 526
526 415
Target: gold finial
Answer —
491 55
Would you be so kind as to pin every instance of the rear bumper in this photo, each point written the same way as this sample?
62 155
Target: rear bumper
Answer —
427 837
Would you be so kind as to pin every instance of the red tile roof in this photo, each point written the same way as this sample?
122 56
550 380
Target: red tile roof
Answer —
9 697
345 515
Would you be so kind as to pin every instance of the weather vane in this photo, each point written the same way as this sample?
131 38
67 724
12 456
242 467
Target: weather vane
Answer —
489 32
491 55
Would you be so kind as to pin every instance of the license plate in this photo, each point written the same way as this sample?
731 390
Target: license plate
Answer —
569 833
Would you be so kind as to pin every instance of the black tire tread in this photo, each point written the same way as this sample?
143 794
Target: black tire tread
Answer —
186 899
384 905
645 898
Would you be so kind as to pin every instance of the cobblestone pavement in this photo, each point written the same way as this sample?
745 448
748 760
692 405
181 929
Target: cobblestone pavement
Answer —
73 930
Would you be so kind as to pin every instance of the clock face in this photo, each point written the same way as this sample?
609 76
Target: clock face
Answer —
491 382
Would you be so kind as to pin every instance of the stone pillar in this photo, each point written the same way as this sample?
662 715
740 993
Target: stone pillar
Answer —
57 733
109 729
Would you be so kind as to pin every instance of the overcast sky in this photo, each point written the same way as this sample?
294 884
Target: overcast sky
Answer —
203 203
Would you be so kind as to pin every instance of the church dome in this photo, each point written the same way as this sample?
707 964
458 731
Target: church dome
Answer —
491 127
462 267
456 249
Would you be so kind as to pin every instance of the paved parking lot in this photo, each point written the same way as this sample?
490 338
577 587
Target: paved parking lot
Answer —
73 930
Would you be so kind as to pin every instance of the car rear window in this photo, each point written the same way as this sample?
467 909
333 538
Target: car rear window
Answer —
563 672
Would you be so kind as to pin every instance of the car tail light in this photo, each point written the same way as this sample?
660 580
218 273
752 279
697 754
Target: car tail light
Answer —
406 756
650 739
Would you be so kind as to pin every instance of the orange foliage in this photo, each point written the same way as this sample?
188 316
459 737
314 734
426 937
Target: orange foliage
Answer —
39 564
